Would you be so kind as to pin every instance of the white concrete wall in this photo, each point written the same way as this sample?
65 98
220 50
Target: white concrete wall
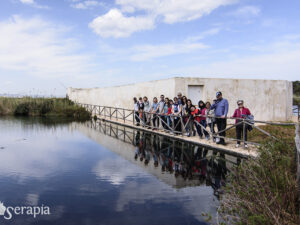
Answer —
122 96
269 100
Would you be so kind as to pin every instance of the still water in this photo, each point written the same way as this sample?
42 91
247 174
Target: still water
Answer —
99 173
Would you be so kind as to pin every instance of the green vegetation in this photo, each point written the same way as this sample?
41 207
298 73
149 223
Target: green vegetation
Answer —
264 190
296 92
284 132
47 107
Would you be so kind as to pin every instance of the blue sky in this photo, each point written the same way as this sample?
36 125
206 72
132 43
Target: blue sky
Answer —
47 45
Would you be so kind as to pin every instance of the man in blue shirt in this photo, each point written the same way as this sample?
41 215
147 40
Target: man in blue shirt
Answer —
221 109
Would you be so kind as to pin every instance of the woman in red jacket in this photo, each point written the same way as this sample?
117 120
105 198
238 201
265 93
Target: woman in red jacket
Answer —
241 112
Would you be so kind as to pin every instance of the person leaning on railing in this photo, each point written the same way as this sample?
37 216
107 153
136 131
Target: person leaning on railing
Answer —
210 119
141 110
147 109
196 119
136 111
188 118
176 111
166 118
154 111
161 109
221 109
202 108
241 113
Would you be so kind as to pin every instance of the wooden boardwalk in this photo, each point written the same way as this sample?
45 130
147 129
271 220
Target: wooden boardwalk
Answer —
228 148
126 117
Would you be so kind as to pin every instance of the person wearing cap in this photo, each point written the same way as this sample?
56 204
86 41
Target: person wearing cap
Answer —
179 97
220 106
241 113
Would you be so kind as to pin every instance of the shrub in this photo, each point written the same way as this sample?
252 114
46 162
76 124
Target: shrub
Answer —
22 109
46 107
263 190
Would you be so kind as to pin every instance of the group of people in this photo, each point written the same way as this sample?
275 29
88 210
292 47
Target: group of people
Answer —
180 114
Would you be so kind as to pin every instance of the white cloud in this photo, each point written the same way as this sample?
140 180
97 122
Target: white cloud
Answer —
86 4
27 1
34 4
174 11
115 24
205 34
39 48
246 11
147 52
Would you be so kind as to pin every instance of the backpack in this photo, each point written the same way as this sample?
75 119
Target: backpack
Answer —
250 119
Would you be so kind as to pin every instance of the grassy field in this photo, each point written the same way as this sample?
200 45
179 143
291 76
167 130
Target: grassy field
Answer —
47 107
285 133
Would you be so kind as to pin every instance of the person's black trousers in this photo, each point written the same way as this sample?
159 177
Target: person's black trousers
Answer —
221 125
137 117
240 134
155 121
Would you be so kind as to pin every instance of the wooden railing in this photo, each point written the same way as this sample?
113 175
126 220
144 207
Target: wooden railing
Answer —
176 122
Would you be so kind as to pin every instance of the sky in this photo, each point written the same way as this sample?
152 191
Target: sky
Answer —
48 45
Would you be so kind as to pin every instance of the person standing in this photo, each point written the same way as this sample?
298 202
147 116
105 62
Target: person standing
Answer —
141 110
221 106
136 111
176 111
165 112
154 111
161 109
210 119
201 113
147 109
179 97
241 113
196 119
170 119
188 120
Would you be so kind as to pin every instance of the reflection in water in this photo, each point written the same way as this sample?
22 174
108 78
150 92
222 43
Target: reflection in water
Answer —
195 164
99 173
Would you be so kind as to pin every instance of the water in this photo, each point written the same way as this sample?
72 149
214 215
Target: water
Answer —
98 173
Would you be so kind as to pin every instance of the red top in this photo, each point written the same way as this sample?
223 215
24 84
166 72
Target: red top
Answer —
169 110
196 112
241 113
203 112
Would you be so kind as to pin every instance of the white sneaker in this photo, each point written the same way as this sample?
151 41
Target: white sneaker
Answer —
237 145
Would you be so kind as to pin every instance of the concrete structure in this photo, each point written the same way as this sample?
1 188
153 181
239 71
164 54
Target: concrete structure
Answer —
268 100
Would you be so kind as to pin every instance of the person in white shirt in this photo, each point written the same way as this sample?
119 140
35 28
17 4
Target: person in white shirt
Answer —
136 111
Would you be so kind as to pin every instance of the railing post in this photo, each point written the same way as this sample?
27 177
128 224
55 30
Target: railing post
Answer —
109 112
244 132
211 128
173 124
182 125
133 116
124 115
